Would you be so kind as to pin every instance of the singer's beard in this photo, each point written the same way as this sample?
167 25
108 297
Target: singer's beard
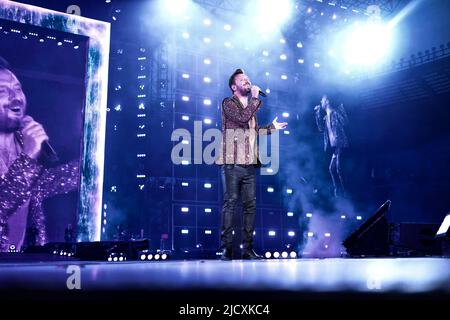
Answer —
10 125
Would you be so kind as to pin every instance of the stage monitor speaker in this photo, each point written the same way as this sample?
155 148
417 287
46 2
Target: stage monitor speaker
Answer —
372 237
444 229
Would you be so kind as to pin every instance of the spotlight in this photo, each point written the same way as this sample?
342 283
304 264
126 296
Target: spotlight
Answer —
290 214
184 209
284 255
283 57
207 121
206 22
284 77
207 61
327 234
285 114
358 218
299 45
207 185
316 65
276 254
272 233
301 61
143 257
268 255
227 27
207 79
157 256
206 40
185 118
309 215
282 41
270 189
291 234
207 102
150 257
310 234
265 53
164 256
185 35
293 254
185 76
185 98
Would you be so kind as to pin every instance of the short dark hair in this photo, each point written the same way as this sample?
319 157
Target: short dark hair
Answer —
235 73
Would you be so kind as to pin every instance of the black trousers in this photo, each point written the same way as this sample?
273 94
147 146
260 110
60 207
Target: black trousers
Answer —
238 180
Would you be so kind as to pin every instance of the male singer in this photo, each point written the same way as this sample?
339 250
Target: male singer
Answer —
24 182
239 160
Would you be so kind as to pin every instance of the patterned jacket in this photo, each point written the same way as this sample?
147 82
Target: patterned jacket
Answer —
235 120
338 119
27 180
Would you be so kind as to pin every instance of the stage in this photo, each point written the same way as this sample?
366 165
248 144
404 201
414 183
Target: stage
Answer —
218 281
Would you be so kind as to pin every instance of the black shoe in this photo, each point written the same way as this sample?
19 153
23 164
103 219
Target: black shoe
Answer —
227 255
250 255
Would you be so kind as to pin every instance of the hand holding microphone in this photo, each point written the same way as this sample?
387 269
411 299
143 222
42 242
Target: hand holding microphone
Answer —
34 136
257 91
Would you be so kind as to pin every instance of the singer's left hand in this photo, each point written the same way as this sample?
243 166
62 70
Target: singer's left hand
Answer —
279 125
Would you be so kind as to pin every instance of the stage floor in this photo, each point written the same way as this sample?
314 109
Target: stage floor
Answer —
266 279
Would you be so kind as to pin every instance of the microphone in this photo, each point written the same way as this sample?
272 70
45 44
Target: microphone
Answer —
262 93
48 152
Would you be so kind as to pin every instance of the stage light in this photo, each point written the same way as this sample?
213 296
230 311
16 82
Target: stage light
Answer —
227 44
184 209
284 254
290 214
276 254
185 76
343 217
208 210
206 22
366 44
143 257
207 121
185 98
284 77
115 259
207 185
265 53
289 191
271 14
327 234
283 57
299 45
293 254
184 231
285 114
157 256
227 27
291 234
334 17
185 35
309 10
121 258
310 234
270 189
309 215
316 65
76 47
358 218
271 233
164 256
282 41
110 259
207 102
207 61
206 40
185 184
301 61
267 73
185 118
268 255
150 257
175 7
208 232
267 90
